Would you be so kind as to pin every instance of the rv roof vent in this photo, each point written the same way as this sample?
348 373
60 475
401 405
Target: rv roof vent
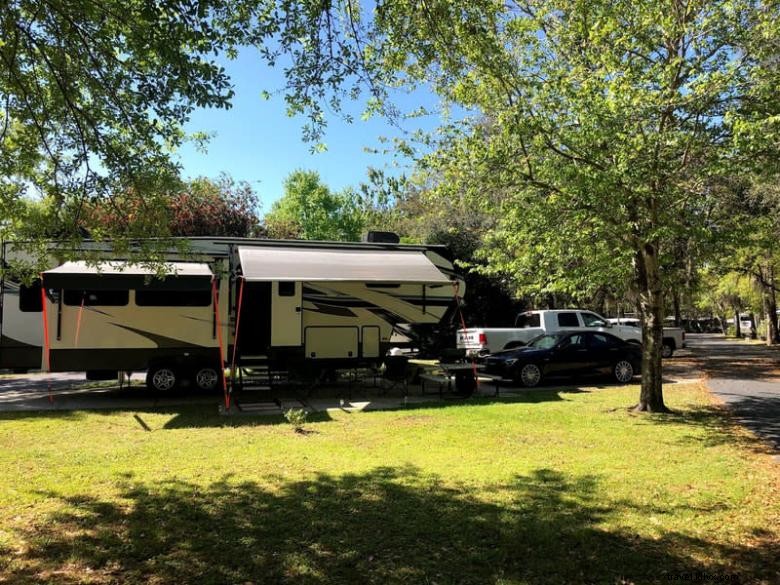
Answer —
381 237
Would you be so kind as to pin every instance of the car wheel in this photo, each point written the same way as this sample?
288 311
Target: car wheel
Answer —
667 350
206 378
623 371
529 375
161 378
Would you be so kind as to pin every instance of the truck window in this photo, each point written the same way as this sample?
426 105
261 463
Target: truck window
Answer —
568 320
527 320
592 320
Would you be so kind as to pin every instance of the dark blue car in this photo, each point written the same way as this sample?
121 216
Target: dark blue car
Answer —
573 353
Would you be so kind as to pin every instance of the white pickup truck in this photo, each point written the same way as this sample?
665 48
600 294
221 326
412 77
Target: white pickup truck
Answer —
674 337
482 341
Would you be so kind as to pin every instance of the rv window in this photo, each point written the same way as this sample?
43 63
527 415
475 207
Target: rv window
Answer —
286 288
382 285
96 298
173 298
30 298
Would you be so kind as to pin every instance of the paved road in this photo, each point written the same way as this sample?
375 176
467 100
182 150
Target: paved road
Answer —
70 391
746 377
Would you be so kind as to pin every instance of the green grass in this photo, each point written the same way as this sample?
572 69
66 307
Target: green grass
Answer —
559 487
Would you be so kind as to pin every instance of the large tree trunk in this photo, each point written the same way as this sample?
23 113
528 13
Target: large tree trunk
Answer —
737 324
772 334
676 303
770 313
651 397
724 323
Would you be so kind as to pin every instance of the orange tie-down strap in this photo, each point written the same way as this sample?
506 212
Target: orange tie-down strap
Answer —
46 348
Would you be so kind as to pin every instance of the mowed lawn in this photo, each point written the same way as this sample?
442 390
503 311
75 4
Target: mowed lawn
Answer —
558 487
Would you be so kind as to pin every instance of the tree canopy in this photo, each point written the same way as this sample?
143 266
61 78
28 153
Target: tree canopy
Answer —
200 207
604 129
309 210
93 95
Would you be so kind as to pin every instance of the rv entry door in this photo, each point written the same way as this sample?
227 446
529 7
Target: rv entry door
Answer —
285 313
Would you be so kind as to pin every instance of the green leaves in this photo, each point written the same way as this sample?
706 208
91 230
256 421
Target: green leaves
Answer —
102 90
310 211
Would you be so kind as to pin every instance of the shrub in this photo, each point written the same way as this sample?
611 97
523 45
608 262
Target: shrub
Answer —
297 418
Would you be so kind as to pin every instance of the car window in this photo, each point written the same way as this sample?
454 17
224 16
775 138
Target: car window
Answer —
599 340
593 320
544 341
568 320
574 341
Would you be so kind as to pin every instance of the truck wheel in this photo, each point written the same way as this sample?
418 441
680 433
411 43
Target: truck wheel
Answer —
667 349
206 378
529 375
623 371
162 378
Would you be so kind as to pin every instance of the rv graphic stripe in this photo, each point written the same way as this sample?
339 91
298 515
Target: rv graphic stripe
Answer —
350 301
161 340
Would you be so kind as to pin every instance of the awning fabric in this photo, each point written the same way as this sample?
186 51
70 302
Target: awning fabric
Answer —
337 265
123 275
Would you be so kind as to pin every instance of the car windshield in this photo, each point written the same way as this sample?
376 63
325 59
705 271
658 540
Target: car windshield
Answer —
545 341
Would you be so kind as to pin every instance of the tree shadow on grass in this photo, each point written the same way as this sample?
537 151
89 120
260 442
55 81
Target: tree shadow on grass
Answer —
391 525
192 417
717 424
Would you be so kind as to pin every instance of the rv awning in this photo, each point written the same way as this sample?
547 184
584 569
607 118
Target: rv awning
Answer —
121 275
337 265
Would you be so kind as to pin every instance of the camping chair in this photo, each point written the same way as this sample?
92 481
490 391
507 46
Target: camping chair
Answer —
396 373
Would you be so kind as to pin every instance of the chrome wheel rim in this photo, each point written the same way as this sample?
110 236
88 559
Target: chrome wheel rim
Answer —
164 379
624 371
530 375
206 379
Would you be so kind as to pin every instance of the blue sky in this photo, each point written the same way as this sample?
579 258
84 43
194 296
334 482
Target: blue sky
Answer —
257 142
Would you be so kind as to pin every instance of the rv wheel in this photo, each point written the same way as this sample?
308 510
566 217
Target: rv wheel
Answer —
206 378
161 378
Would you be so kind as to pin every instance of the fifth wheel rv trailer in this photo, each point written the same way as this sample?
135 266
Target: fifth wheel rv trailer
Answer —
230 301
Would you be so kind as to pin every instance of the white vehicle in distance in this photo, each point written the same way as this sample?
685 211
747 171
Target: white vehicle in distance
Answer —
487 340
674 337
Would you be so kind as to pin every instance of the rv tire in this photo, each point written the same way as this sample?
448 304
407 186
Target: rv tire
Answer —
162 378
206 378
